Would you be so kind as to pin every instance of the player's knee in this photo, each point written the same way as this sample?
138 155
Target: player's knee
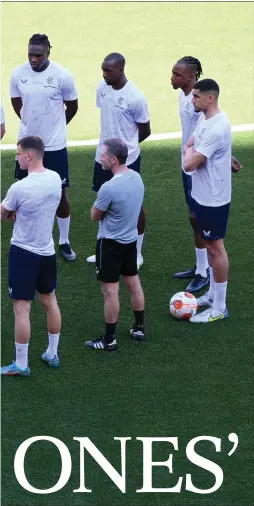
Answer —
214 247
21 307
48 300
110 290
133 284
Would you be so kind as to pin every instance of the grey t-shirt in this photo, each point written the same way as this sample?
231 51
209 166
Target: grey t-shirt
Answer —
121 198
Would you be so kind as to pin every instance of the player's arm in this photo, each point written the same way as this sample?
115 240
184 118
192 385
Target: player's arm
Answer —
6 214
96 214
3 129
212 140
144 130
236 165
16 99
192 159
188 144
70 96
140 114
71 109
17 105
10 204
102 203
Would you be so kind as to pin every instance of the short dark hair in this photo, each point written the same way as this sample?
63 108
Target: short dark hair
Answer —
193 63
117 58
207 86
117 148
40 40
34 143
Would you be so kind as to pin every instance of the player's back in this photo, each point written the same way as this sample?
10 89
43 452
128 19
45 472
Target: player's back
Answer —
38 197
120 221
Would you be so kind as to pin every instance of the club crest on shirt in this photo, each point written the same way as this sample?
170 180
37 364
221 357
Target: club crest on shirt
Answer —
50 81
119 102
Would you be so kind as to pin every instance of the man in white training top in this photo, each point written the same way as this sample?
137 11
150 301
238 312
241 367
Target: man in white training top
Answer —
44 97
32 204
208 157
124 115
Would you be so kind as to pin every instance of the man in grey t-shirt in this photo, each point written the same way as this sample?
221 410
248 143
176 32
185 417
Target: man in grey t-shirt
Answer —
117 209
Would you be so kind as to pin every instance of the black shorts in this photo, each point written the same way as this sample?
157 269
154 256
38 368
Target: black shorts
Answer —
114 258
212 221
101 176
29 272
52 160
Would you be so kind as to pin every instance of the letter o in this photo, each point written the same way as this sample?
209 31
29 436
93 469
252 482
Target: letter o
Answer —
20 471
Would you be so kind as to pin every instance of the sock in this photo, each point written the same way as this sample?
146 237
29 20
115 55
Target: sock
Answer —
139 244
139 318
201 261
21 355
110 332
211 290
53 345
219 302
64 227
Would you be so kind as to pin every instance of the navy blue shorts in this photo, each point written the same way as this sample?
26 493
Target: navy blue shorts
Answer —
101 176
29 272
187 185
53 160
212 221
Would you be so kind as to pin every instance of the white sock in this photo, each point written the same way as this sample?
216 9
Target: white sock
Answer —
21 355
201 261
219 302
64 227
53 345
139 244
211 290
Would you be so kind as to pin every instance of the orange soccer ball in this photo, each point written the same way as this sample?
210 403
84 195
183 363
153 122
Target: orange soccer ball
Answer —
183 305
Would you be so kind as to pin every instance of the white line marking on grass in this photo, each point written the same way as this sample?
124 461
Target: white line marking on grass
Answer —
154 137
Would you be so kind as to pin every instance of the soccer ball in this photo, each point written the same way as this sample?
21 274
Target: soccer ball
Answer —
183 305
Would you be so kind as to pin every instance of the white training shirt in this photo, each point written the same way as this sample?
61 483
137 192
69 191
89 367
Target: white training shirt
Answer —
35 200
2 115
211 182
43 95
120 111
189 119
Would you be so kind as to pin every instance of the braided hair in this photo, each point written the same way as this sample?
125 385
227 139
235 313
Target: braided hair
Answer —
194 65
40 40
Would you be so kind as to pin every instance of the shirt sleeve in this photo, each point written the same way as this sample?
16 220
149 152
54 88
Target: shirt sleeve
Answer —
211 142
14 89
99 89
69 90
104 198
11 200
2 115
140 111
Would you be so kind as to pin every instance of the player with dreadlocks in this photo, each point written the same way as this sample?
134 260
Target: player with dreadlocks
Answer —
44 97
185 74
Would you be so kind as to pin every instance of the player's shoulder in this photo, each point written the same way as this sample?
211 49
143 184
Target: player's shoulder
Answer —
58 69
133 92
102 86
220 123
20 69
53 176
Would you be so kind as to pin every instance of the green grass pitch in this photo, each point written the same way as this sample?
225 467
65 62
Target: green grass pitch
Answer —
184 380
